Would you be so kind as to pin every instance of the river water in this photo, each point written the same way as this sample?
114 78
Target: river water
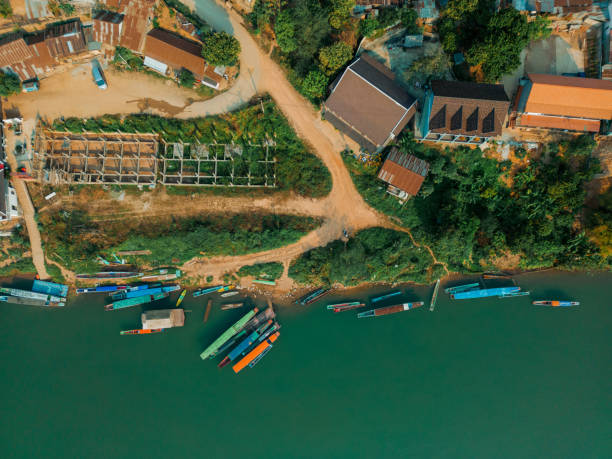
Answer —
479 379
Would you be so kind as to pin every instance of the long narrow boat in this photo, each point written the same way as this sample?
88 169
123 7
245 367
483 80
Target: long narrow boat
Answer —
129 302
513 294
227 306
484 293
33 295
461 288
228 294
255 352
244 345
341 307
384 297
313 296
390 309
31 301
102 289
211 350
109 275
141 331
268 331
144 292
215 289
232 341
181 298
162 275
260 318
557 303
264 282
260 356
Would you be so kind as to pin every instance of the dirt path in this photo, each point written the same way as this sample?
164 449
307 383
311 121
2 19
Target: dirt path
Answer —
27 209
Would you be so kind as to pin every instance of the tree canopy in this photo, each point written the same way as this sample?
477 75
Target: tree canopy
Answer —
334 57
220 48
9 84
284 29
490 39
314 85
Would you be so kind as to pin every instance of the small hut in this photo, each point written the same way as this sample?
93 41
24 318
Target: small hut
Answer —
163 318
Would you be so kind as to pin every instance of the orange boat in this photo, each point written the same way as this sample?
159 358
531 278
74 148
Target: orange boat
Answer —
255 352
141 332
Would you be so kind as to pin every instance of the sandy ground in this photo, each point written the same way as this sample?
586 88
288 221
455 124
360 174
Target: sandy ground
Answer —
552 55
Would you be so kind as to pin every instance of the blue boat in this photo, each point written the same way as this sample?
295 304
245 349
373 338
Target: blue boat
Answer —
462 288
384 297
313 296
217 288
50 288
484 293
102 289
129 293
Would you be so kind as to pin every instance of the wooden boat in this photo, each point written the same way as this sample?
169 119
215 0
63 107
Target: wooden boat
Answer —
180 298
225 307
384 297
225 295
513 294
461 288
141 332
556 303
340 307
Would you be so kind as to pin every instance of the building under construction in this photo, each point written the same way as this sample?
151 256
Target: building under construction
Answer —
95 158
144 159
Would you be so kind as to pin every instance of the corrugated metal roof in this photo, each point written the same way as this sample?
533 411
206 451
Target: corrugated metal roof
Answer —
404 171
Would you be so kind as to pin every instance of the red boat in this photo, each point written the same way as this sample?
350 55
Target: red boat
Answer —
141 332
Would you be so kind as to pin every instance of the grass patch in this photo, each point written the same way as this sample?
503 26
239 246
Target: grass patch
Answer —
23 266
268 271
55 273
75 240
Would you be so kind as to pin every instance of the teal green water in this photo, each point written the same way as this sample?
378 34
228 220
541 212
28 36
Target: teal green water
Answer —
484 378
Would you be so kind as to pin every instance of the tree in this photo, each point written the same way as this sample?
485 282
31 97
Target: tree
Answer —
333 57
220 48
431 66
186 78
284 28
314 84
340 12
5 8
9 84
409 16
368 26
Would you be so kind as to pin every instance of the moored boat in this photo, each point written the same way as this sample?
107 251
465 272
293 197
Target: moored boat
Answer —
109 275
228 294
390 309
102 289
227 306
211 350
243 345
260 348
129 302
141 331
346 306
180 298
513 294
461 288
385 296
483 293
215 289
134 292
556 303
313 296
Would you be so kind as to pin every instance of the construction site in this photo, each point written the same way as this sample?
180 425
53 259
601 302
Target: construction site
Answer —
145 159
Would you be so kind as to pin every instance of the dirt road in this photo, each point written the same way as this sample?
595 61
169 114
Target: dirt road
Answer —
27 209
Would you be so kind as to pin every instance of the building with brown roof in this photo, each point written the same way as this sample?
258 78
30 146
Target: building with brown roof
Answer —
107 27
65 39
404 173
560 102
463 112
368 105
137 21
165 50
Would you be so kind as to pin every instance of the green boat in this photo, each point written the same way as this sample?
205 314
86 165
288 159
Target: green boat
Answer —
461 288
136 301
211 350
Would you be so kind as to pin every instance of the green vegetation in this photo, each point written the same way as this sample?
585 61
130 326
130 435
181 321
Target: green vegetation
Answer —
9 84
372 255
75 239
220 48
21 266
55 273
177 5
314 85
268 271
67 8
340 12
333 57
491 40
296 169
600 225
474 211
429 67
284 29
186 78
5 8
368 26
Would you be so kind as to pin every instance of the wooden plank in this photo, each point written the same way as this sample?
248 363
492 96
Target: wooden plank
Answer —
207 313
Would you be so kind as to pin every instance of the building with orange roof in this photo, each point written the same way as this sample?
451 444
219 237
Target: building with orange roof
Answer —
404 174
560 102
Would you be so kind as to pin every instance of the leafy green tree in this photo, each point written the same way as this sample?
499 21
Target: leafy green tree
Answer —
284 28
431 66
186 78
340 12
9 84
220 48
334 57
409 16
368 26
5 8
312 32
314 85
